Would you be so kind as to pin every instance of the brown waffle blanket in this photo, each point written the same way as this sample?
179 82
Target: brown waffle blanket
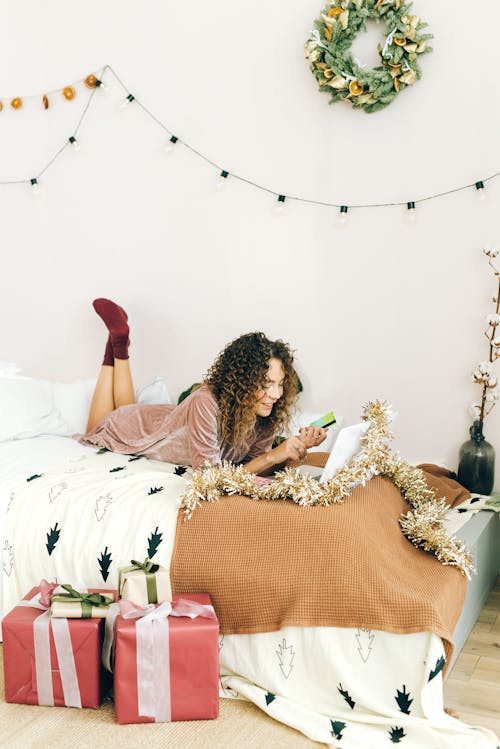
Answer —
268 565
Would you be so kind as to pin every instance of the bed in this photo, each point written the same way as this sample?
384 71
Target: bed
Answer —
68 511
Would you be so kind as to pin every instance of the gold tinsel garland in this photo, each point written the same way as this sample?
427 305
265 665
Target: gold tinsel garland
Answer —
423 525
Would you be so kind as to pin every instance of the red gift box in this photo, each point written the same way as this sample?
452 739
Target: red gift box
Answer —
187 656
20 666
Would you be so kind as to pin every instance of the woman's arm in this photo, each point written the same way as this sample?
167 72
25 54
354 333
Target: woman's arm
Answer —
290 450
201 420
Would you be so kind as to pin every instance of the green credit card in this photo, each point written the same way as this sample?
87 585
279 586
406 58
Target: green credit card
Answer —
324 421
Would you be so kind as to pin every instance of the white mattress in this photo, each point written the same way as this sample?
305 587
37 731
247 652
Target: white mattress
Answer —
20 459
324 682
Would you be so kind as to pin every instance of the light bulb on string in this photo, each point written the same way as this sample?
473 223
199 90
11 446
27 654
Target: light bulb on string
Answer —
279 205
130 98
169 146
75 144
35 186
92 81
411 214
222 179
342 215
480 191
102 86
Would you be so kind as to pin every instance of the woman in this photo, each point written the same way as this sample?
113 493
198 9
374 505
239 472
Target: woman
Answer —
243 403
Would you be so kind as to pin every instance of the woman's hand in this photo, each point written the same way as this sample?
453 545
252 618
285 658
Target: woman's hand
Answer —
291 449
312 436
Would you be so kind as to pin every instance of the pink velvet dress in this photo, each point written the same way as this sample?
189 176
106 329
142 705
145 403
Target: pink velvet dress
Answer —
185 434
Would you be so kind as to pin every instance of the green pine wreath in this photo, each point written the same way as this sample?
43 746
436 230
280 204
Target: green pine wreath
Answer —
341 76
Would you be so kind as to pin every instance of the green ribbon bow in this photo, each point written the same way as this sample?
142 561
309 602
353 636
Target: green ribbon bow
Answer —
147 565
149 569
86 600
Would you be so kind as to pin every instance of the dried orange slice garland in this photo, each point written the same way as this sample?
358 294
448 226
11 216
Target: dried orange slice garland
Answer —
337 71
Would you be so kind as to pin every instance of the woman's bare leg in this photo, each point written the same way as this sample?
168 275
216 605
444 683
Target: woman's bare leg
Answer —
123 386
103 399
114 388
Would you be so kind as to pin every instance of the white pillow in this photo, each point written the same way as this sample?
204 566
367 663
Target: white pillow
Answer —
72 401
27 409
155 393
8 368
31 407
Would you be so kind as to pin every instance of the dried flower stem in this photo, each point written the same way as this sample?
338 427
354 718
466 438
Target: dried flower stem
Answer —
490 334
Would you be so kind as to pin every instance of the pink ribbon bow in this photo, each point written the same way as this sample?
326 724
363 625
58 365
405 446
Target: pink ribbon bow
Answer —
152 649
64 650
181 607
46 591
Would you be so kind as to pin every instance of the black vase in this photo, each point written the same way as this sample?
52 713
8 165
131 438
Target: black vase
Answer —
476 467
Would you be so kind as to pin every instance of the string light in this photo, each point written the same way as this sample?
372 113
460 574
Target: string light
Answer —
480 191
169 146
33 182
279 205
128 100
222 179
411 214
74 143
342 215
103 86
94 82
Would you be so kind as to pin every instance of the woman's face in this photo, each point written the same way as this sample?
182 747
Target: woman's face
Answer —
271 389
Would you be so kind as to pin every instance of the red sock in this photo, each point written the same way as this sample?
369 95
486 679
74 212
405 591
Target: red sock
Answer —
115 318
109 359
120 347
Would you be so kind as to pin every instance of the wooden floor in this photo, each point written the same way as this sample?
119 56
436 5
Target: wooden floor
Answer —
473 686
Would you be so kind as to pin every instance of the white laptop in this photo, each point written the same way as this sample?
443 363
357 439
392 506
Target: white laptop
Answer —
347 444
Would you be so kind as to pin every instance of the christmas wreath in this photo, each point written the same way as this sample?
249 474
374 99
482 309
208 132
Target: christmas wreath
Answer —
338 72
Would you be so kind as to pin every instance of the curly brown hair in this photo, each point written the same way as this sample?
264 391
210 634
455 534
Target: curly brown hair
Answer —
234 378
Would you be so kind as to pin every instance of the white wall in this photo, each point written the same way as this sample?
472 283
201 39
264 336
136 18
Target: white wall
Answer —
380 309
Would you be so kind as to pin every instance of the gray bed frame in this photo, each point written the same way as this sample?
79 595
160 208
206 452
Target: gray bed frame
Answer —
482 537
